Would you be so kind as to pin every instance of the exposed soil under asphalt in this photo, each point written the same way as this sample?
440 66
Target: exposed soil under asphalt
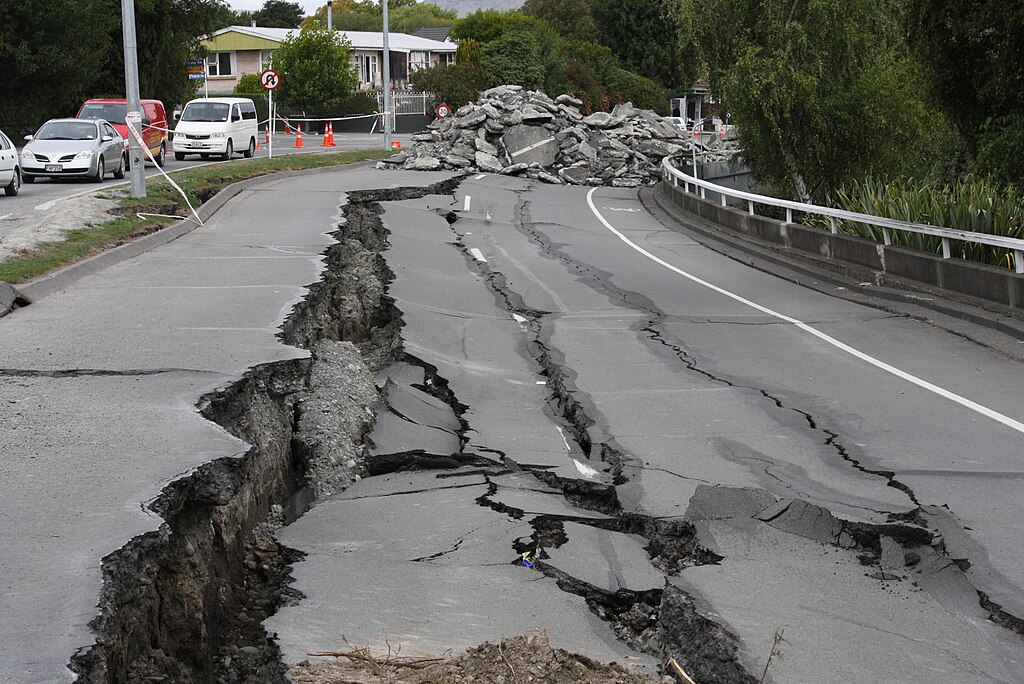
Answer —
516 660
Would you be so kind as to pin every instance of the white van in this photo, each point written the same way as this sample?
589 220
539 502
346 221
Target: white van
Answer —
216 125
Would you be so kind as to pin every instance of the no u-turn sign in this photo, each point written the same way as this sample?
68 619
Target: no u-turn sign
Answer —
270 79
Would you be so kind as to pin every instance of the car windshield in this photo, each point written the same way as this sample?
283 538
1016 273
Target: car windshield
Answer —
67 130
205 111
114 113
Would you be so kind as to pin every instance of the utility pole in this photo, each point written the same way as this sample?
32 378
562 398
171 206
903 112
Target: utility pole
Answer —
131 85
387 81
330 15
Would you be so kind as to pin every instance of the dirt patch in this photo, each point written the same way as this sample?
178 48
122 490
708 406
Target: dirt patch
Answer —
516 660
24 231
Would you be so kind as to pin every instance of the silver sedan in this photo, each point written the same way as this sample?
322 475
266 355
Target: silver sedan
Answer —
69 148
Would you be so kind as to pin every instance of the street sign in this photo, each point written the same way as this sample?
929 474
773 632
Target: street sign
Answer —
443 110
270 79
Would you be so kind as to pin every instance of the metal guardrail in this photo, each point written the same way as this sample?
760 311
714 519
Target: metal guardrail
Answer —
675 176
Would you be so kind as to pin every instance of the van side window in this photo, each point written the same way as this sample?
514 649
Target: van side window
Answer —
248 111
235 116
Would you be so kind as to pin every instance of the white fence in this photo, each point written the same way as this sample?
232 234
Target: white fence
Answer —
676 177
408 102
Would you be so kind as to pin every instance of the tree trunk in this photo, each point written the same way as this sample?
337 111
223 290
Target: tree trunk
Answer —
798 179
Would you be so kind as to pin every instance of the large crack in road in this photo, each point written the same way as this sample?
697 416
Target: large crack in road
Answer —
190 602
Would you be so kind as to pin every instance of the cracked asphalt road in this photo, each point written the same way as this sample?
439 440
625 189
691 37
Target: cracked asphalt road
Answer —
575 353
684 463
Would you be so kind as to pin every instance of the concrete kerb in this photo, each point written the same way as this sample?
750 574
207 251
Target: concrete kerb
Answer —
52 282
827 276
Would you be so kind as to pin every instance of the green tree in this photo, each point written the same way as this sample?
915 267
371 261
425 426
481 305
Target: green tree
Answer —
570 18
316 72
52 50
404 16
650 37
821 90
455 85
279 14
976 69
248 84
487 25
513 58
168 33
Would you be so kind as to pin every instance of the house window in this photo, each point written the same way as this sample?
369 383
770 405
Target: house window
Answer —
418 60
446 59
367 69
219 64
266 59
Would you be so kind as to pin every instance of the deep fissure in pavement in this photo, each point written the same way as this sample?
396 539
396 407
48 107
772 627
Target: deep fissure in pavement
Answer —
185 603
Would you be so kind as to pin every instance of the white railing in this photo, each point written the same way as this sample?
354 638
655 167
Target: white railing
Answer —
675 177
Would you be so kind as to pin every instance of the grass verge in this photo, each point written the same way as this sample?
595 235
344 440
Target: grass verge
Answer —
200 184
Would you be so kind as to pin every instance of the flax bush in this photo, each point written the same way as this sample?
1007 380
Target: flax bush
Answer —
970 204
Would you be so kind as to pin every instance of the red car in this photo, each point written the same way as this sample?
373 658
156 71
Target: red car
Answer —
154 121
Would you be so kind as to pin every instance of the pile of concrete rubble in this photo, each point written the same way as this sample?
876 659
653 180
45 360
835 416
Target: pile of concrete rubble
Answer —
516 132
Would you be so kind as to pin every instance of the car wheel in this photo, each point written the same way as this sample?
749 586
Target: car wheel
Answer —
100 171
121 166
230 150
251 149
15 185
180 156
161 158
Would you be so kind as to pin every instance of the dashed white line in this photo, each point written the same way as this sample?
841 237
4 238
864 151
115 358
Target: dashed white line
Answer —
468 201
923 384
482 175
477 254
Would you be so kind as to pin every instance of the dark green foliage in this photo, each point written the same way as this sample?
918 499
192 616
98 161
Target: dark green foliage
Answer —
168 33
513 58
626 86
822 91
248 83
570 18
976 66
279 14
456 84
52 51
404 16
650 37
1000 149
316 73
487 25
61 52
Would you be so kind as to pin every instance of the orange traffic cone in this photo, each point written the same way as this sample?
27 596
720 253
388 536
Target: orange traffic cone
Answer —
258 148
396 144
331 128
298 137
267 143
328 140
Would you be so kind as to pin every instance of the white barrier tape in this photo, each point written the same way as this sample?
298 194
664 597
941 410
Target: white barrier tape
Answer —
336 118
138 138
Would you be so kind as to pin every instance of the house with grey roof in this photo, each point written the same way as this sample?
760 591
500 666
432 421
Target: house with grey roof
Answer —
238 50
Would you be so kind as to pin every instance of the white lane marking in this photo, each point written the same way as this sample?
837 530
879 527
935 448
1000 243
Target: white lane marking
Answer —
561 433
585 470
519 319
534 279
477 254
626 209
468 200
532 147
4 216
482 175
924 384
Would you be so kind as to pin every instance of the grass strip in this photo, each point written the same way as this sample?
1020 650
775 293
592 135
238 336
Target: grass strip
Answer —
199 183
